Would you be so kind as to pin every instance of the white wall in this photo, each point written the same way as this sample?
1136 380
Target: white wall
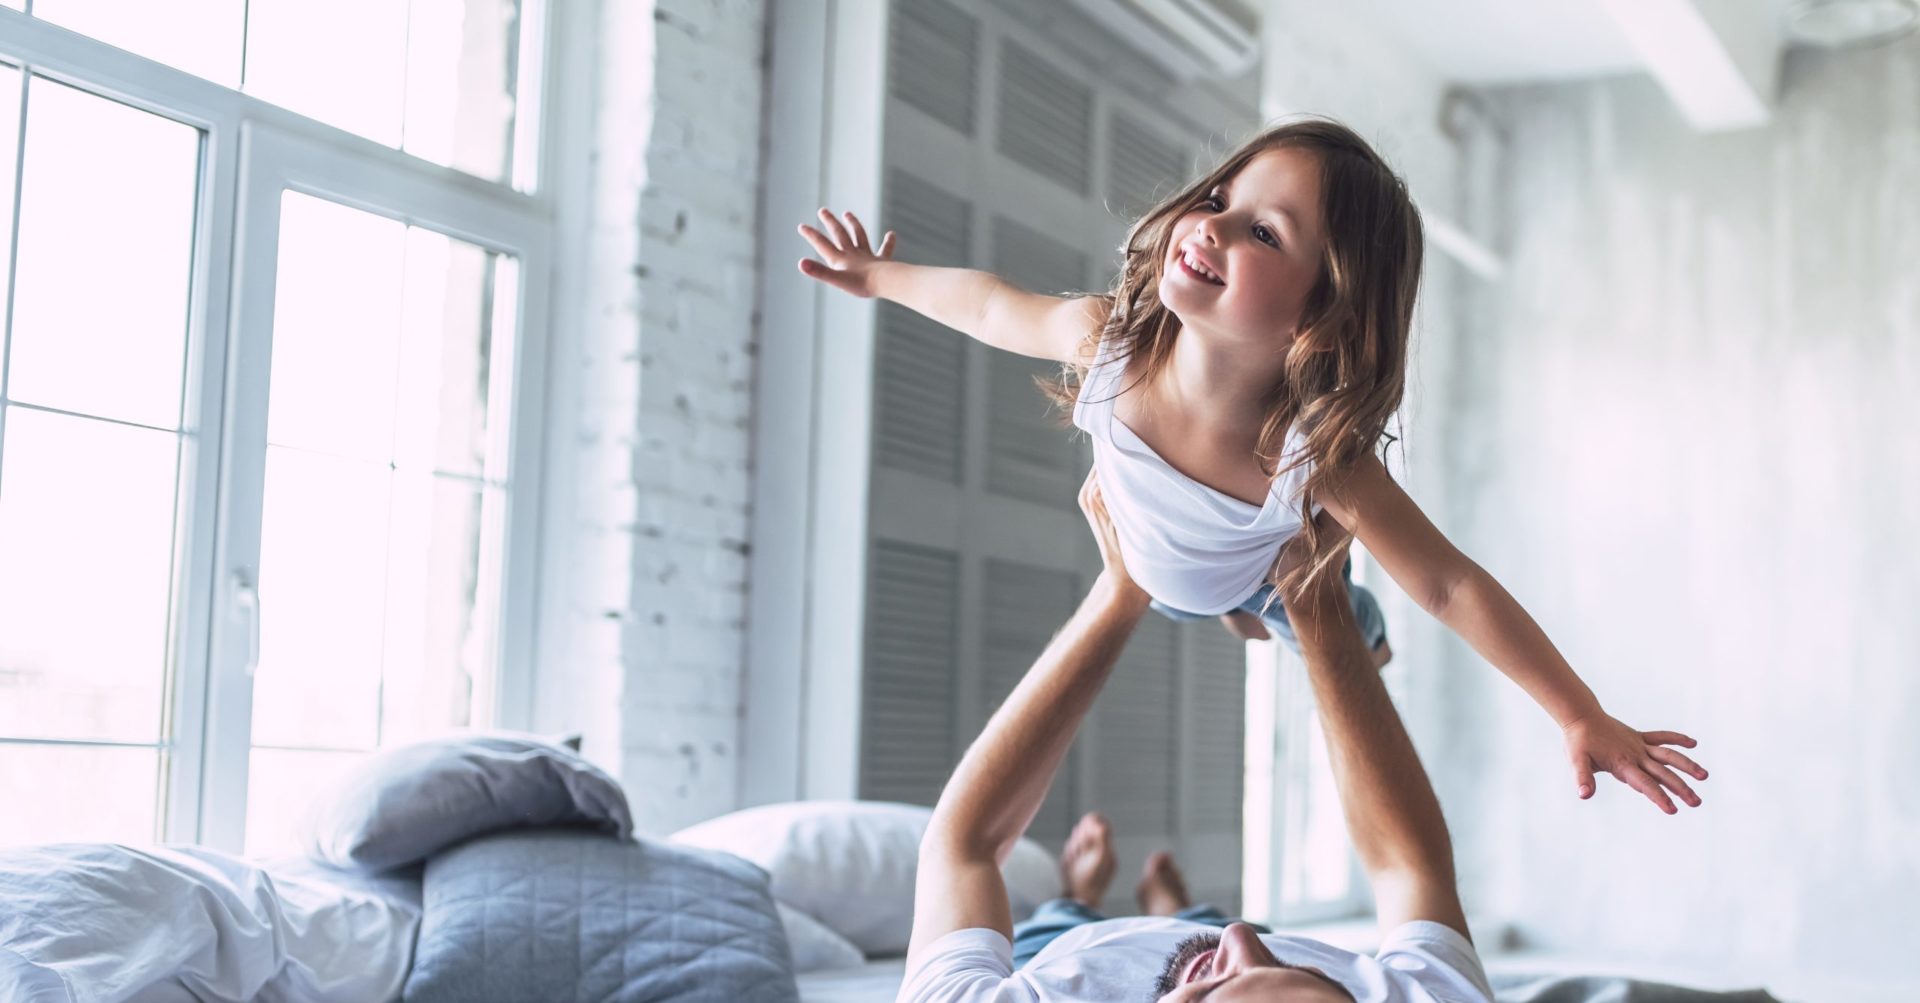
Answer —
644 596
1681 432
1319 59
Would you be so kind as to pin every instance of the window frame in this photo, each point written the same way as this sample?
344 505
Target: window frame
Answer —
250 151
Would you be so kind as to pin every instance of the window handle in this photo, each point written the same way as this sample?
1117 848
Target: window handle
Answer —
246 605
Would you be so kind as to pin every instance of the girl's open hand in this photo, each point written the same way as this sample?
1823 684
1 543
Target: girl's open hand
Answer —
849 260
1639 759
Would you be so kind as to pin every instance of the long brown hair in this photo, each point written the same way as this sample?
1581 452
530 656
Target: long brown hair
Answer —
1347 368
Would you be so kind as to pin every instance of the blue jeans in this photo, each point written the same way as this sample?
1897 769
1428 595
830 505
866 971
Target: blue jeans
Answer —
1060 915
1366 612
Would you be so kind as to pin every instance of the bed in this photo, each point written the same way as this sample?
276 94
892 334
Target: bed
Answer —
504 868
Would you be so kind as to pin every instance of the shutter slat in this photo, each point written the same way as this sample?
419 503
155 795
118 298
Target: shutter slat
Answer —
906 712
934 62
1045 118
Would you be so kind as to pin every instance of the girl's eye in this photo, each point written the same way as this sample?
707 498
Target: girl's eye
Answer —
1261 231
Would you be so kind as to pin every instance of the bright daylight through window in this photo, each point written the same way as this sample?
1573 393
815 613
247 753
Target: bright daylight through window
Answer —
200 581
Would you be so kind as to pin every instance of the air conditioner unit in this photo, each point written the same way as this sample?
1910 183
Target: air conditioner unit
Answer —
1190 39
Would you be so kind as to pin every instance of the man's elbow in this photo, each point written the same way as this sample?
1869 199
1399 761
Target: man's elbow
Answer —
945 841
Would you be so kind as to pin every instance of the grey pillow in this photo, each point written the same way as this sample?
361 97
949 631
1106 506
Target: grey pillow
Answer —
557 915
404 804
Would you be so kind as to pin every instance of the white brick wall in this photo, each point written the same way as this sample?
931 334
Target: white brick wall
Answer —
653 390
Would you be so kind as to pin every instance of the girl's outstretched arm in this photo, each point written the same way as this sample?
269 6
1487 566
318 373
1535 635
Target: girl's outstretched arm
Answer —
979 304
1461 594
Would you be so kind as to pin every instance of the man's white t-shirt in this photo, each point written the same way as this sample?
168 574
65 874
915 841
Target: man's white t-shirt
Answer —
1119 959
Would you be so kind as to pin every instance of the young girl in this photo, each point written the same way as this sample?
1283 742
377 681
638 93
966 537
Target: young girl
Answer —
1236 384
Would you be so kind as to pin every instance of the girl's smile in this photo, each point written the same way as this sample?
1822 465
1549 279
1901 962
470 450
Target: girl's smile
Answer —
1244 260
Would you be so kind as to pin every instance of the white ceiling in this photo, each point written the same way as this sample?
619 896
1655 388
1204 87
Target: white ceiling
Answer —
1498 41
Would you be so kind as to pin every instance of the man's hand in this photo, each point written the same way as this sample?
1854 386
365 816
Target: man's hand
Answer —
1639 759
1115 568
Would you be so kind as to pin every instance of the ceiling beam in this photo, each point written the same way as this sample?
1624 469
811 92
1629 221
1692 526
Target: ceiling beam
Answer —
1719 60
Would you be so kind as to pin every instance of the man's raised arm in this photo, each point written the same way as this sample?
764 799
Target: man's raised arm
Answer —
1001 781
1392 814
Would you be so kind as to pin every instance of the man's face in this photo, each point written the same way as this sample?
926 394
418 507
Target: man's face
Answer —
1235 965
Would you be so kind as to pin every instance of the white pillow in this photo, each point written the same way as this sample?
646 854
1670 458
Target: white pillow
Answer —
850 864
816 948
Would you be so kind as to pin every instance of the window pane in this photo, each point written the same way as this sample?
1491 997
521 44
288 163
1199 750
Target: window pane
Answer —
441 600
438 78
1320 866
9 150
386 487
322 575
201 37
106 248
86 549
342 62
446 355
461 63
281 786
335 357
65 793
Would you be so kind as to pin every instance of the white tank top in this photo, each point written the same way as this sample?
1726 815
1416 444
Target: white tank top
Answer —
1193 547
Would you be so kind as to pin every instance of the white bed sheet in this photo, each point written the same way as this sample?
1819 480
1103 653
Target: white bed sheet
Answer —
874 982
104 923
878 981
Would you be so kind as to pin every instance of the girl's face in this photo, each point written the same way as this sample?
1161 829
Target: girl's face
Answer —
1258 242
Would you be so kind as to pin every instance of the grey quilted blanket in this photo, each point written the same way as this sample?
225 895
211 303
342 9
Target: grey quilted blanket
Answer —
566 916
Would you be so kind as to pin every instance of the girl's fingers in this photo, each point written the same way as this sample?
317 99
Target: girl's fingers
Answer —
1678 760
886 246
815 270
822 245
1668 738
1637 779
859 232
839 233
1583 777
1671 781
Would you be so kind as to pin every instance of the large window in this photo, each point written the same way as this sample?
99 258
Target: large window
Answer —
1300 862
267 400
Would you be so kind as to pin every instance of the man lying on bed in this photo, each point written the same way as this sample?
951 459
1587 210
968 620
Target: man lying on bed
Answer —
961 949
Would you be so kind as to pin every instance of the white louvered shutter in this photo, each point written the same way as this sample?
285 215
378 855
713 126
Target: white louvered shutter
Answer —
1030 453
907 703
1000 153
920 382
1213 716
1046 117
1143 166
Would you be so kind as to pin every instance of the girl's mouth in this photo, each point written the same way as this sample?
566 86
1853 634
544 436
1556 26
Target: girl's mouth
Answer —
1197 274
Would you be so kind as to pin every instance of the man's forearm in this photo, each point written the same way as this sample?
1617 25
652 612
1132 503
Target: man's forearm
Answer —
1001 781
1392 814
